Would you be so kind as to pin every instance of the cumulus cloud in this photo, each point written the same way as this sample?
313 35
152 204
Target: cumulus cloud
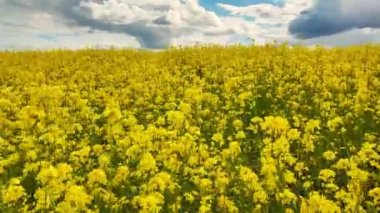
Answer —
269 13
153 23
335 16
33 26
270 21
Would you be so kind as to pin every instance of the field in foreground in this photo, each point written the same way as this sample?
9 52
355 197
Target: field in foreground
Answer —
206 129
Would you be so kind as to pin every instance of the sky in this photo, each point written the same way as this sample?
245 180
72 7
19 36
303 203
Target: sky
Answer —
158 24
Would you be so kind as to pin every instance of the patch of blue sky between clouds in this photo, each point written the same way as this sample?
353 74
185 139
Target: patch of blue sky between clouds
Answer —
278 2
46 37
248 18
244 40
211 5
50 36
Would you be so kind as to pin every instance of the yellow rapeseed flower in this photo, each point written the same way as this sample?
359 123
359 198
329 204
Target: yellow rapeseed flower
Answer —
14 192
329 155
97 176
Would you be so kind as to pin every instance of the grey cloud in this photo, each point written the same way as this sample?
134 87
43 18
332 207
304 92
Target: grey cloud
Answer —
16 25
154 37
162 21
67 9
328 17
148 36
346 38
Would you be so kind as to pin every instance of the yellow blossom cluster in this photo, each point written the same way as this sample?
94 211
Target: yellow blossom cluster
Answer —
198 129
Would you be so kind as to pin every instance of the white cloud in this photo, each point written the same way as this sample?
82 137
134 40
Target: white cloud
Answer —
16 41
99 39
174 13
23 28
271 21
270 14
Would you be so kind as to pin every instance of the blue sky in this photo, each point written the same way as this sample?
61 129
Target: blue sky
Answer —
158 24
212 4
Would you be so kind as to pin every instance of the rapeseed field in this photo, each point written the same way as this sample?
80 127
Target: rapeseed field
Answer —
198 129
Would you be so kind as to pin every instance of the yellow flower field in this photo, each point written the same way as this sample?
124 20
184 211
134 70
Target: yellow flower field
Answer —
197 129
